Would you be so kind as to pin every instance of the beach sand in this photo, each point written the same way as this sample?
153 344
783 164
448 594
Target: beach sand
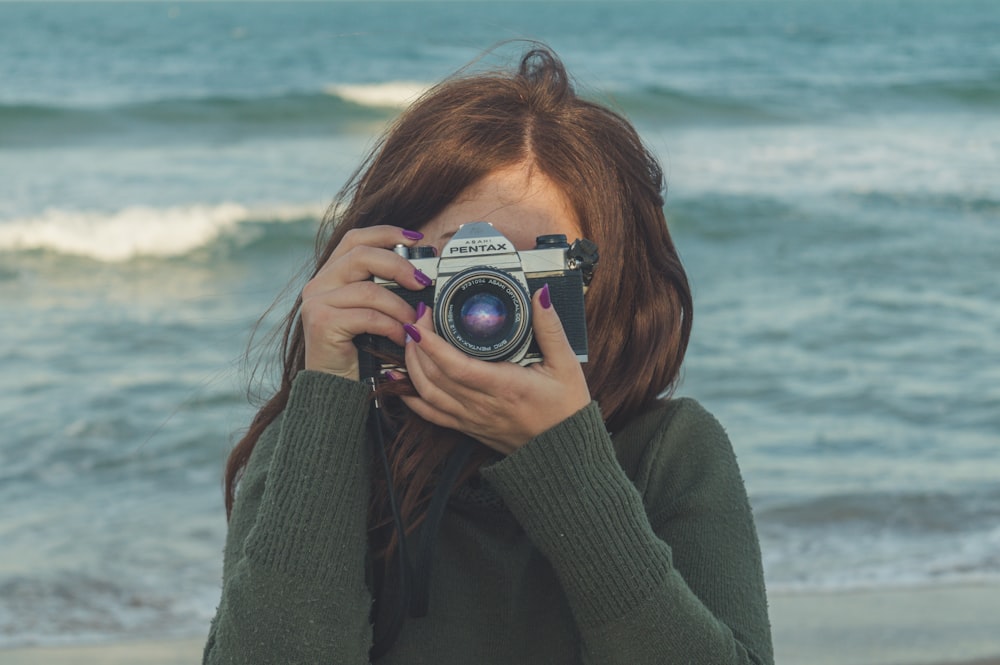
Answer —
898 627
166 652
938 626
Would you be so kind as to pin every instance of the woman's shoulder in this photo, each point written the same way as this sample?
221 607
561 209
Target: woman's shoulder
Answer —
669 423
677 443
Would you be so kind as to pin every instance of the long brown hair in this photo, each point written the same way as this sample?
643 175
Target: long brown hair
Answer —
638 305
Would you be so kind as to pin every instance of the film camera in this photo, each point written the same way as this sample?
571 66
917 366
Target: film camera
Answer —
482 286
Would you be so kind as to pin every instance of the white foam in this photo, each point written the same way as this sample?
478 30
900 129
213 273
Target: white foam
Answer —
391 94
801 560
136 231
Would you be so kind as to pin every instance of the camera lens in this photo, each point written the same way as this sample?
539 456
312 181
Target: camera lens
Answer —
485 313
483 316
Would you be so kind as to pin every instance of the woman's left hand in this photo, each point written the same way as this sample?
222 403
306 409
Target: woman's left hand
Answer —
502 404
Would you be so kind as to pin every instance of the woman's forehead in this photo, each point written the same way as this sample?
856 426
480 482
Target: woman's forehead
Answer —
519 201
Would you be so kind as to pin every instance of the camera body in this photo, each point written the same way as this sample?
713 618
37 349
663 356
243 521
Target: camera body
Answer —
482 286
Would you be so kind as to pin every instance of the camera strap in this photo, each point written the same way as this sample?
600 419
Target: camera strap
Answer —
420 590
383 640
413 576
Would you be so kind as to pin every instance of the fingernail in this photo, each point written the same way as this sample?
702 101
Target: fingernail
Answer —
412 235
389 375
544 298
412 334
422 278
421 308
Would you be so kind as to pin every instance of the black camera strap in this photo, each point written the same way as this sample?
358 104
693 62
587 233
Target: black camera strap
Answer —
413 576
420 590
384 639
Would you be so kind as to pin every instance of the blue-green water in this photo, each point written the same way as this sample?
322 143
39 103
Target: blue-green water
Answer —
834 190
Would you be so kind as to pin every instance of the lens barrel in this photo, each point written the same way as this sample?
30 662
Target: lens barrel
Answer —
485 312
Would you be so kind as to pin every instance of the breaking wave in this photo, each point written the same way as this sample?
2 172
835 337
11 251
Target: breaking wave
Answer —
141 231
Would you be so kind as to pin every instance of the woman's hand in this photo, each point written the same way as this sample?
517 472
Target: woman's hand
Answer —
499 403
341 302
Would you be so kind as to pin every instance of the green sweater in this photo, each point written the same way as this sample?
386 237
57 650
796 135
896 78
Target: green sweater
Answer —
581 547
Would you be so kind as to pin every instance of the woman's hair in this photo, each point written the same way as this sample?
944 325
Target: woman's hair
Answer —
638 305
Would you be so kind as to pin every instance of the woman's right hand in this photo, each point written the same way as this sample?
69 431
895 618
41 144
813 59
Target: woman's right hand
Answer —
342 302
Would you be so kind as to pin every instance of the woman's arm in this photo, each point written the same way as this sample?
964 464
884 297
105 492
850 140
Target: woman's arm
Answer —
293 579
294 573
676 580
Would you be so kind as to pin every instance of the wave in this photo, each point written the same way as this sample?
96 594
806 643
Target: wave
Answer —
347 108
919 512
72 608
881 540
393 94
673 106
337 109
141 231
982 94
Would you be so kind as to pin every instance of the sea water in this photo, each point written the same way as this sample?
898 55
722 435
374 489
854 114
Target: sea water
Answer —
834 191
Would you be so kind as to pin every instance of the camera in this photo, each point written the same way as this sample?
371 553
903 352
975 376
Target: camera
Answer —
482 286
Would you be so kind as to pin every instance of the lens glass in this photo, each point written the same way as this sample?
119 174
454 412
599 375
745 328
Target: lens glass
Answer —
483 316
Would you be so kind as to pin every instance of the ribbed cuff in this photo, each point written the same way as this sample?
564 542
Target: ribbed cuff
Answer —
577 505
316 503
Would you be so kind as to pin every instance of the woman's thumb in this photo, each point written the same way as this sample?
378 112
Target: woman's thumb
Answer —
549 331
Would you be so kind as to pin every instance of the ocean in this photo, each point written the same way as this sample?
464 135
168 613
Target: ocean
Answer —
834 191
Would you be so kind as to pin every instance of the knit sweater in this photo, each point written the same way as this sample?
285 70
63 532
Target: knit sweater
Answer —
580 547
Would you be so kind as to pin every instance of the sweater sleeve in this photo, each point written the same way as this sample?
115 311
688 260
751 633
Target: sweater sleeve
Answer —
676 580
294 570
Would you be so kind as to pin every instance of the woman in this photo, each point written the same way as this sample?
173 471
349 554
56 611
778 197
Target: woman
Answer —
593 521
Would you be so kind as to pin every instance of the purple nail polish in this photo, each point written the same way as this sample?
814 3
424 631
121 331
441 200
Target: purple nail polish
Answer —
412 332
389 375
412 235
421 308
544 298
422 278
